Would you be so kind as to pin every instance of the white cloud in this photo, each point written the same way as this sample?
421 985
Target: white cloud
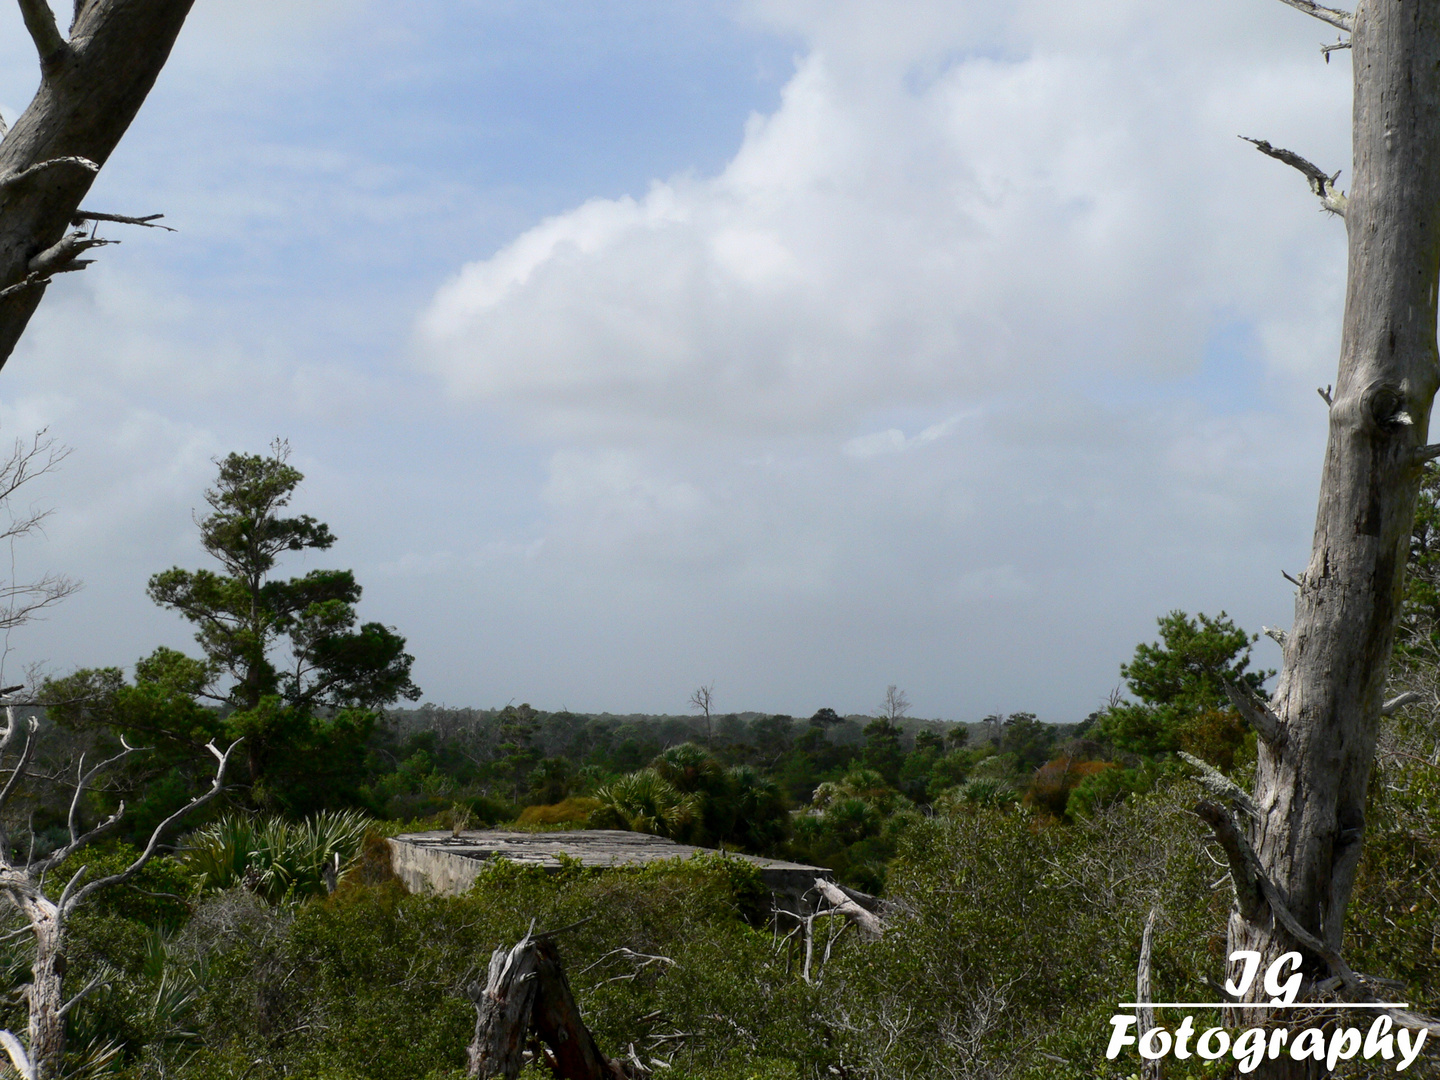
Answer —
894 441
878 243
1008 236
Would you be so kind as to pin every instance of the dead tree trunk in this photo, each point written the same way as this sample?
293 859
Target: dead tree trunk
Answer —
22 883
1144 1013
91 86
527 994
1294 860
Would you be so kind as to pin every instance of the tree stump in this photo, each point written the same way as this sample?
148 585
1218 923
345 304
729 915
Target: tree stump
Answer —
527 993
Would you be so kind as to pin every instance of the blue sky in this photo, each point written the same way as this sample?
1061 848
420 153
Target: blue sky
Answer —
796 347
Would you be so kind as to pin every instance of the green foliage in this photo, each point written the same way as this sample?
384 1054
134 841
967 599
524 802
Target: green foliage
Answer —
854 827
277 859
1029 740
949 770
1011 941
311 707
991 791
687 794
1105 788
1180 683
516 753
645 802
1010 937
883 753
1419 629
1393 924
370 984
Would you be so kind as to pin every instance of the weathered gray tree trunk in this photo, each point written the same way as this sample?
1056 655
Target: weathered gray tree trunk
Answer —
527 994
1294 866
91 87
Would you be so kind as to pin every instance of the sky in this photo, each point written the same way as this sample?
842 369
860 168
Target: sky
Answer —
798 348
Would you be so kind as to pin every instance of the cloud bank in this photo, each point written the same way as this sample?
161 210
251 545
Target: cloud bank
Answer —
987 347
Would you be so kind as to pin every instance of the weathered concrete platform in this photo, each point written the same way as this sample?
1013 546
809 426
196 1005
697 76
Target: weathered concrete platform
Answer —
448 865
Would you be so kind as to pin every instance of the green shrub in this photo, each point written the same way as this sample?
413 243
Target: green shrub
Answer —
645 802
574 810
278 859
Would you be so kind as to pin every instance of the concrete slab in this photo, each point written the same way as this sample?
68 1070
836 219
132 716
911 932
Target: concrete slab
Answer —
447 864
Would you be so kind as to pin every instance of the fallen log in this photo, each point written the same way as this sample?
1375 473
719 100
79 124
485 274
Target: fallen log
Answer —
527 996
867 922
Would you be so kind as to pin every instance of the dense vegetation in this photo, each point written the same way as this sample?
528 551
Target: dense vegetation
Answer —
1017 860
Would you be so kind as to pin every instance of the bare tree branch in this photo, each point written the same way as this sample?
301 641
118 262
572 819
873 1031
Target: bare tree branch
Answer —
11 179
18 1057
1275 634
1409 697
1322 184
22 765
69 903
30 281
869 924
1237 852
150 221
40 21
1342 20
63 256
90 91
1217 783
1256 713
83 780
92 985
1423 454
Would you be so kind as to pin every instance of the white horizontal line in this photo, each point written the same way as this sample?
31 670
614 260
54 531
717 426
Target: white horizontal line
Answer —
1263 1005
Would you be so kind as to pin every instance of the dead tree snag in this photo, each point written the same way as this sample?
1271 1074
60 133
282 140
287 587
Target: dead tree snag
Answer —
1295 848
527 997
42 1054
92 83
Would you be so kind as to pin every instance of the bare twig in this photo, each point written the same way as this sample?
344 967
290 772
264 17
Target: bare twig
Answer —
1239 854
1321 183
149 220
1326 395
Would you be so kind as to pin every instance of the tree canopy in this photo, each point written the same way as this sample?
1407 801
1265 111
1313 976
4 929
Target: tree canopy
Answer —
285 664
1179 682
